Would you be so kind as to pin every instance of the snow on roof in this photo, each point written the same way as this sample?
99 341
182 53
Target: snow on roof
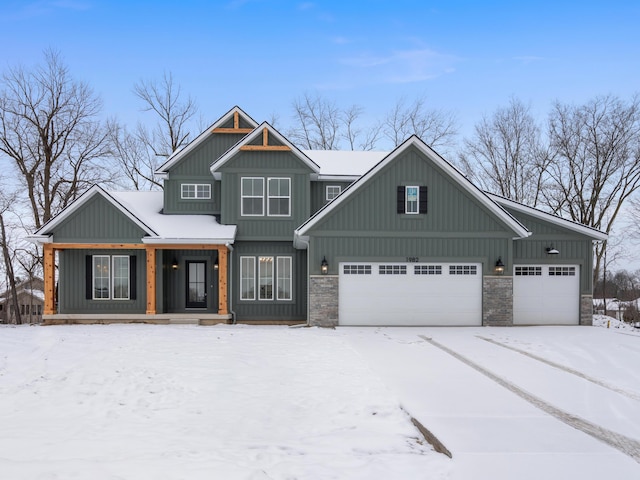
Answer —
347 163
173 228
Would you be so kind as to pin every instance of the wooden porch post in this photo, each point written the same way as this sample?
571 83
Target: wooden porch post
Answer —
151 279
49 279
222 281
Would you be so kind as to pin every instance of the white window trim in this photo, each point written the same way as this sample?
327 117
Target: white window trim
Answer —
253 276
243 196
269 197
326 195
113 277
196 196
93 279
289 279
406 200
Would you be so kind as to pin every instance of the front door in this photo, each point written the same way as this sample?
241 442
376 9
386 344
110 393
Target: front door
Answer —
196 285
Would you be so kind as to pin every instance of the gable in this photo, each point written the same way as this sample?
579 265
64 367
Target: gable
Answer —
97 220
451 209
197 156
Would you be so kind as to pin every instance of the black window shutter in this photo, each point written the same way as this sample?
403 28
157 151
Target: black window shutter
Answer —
423 200
88 294
401 199
133 276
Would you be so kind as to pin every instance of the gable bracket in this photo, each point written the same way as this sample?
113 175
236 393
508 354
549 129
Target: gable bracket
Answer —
236 127
265 144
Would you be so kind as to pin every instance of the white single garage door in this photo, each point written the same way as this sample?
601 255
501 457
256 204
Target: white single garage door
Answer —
410 293
546 295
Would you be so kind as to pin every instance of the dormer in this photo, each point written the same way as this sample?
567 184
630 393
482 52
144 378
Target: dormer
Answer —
189 187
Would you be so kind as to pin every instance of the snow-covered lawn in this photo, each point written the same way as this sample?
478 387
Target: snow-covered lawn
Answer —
240 402
180 402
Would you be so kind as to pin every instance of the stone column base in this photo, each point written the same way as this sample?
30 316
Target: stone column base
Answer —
586 310
323 300
497 301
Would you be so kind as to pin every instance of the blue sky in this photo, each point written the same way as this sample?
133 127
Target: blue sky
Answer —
464 56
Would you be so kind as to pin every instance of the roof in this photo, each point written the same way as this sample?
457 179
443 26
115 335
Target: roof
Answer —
178 155
217 164
548 217
518 228
145 210
344 164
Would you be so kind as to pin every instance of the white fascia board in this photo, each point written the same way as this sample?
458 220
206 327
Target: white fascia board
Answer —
338 178
177 156
187 241
520 230
315 168
594 233
39 239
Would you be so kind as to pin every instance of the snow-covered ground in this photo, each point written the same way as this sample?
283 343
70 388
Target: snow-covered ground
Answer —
248 402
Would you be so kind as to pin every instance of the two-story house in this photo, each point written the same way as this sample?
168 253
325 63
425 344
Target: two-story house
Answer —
249 228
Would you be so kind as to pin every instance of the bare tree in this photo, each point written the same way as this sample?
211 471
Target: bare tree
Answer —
438 128
506 156
5 204
165 99
135 159
49 128
318 123
596 162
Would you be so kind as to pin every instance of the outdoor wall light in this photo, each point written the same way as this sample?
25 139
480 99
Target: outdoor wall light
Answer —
174 264
552 251
324 266
216 266
499 268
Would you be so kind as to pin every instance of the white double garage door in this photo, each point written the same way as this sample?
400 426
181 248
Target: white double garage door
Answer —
431 294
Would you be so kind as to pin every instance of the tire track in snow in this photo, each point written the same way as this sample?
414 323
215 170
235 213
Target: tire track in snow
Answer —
601 383
622 443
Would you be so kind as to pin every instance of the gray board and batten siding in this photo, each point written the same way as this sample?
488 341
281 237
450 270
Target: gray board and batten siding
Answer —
265 164
574 248
271 310
367 225
98 221
194 168
319 192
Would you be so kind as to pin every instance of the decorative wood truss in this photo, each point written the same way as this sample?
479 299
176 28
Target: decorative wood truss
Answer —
236 127
49 269
265 144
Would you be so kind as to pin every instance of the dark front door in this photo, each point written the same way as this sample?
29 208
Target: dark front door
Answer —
196 285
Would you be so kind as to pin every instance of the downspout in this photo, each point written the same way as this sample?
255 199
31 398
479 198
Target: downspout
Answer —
230 284
305 244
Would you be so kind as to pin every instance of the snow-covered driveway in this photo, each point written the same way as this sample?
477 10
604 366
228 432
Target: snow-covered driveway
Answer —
495 433
239 402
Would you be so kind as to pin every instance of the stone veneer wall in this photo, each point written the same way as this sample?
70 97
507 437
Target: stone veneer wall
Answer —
323 300
586 310
497 301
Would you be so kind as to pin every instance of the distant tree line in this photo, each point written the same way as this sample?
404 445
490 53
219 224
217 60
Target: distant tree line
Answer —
582 163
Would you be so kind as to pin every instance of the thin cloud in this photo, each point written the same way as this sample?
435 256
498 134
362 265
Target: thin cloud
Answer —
47 7
527 59
402 66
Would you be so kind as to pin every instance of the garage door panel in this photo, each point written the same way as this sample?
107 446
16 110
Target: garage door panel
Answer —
418 296
546 295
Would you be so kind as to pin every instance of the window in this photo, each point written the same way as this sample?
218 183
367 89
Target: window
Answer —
279 197
412 199
332 191
411 203
252 191
101 277
427 270
284 278
357 269
528 271
112 277
562 271
392 269
195 191
265 278
463 270
247 278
